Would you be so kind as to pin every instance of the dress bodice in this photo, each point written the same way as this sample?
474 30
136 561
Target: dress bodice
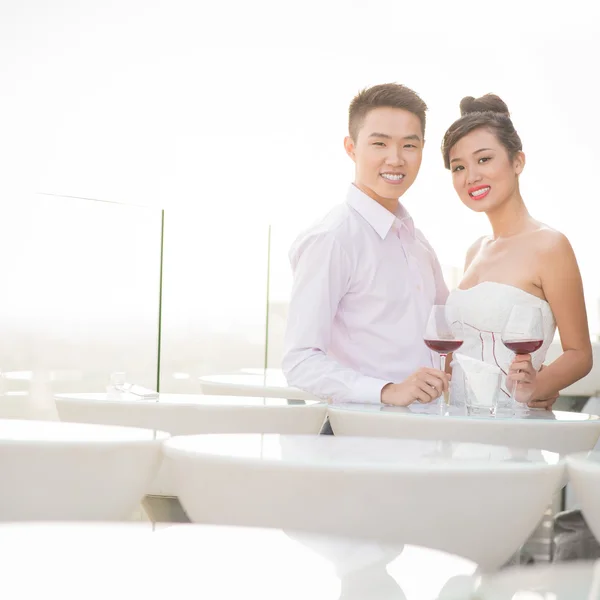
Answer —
485 309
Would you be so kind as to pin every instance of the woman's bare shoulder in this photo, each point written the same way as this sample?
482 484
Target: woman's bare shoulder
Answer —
476 245
551 240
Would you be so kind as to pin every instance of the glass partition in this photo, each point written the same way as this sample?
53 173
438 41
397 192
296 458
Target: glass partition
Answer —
214 308
80 298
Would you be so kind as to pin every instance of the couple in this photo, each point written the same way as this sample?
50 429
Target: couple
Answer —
365 278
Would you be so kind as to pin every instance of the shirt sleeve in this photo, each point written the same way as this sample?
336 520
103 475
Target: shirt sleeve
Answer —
322 274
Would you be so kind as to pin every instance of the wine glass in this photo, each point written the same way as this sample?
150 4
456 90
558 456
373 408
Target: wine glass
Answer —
444 333
523 333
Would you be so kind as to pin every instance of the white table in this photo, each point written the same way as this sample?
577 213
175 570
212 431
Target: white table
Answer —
253 382
442 495
69 471
126 562
184 414
28 394
584 475
557 431
567 581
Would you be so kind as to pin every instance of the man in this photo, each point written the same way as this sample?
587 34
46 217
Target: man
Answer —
364 278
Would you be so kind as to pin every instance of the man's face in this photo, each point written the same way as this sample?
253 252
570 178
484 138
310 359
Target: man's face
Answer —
387 153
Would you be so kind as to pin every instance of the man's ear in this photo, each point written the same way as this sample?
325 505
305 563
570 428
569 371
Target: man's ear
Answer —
350 147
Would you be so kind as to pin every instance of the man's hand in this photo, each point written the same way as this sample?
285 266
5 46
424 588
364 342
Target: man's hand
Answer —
422 386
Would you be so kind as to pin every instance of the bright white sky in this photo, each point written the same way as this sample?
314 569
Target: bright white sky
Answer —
236 111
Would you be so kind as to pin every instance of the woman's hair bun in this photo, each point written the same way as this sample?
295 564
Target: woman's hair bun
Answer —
487 103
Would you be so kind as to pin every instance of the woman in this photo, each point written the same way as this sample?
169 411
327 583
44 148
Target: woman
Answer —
523 262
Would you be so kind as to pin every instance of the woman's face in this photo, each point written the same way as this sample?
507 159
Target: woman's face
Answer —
483 175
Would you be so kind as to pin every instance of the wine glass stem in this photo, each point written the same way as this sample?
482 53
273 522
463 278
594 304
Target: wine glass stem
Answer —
513 394
443 368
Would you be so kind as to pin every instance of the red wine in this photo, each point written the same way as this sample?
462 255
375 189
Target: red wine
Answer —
523 346
443 346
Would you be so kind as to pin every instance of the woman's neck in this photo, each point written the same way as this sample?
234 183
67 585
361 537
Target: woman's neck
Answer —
511 218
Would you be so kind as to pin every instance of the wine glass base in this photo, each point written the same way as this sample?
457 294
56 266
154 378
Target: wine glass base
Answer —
480 411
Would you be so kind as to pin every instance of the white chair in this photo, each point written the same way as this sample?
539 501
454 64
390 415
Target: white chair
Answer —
69 471
584 477
131 561
578 580
184 414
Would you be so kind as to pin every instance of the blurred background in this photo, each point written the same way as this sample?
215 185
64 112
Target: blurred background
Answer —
158 158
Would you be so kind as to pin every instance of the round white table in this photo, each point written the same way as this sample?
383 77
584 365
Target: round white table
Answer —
567 581
442 495
184 414
584 475
251 382
557 431
69 471
190 562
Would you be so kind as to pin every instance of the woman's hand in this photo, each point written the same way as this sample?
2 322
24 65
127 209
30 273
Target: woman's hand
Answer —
543 403
546 403
521 373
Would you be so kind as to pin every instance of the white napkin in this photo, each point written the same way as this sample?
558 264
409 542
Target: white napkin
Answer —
482 380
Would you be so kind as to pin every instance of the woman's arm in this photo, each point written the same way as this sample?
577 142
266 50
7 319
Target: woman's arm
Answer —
562 286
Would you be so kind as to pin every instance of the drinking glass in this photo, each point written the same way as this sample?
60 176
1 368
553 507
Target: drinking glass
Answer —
444 333
523 333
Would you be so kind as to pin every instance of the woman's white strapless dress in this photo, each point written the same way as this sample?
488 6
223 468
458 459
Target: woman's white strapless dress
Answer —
485 309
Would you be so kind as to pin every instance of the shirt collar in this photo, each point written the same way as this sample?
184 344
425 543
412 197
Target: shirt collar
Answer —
379 218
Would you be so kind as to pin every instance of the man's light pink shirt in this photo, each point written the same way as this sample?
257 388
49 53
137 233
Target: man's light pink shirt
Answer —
364 283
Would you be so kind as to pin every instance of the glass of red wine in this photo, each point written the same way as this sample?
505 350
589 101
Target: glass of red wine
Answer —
523 333
444 333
